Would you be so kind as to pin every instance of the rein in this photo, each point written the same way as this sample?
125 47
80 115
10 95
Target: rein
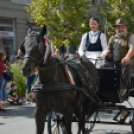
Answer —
61 62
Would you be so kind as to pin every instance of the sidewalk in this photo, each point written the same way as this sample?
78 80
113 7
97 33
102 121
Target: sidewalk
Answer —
23 100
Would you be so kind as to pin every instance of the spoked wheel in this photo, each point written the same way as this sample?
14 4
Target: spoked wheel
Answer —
132 124
91 122
55 124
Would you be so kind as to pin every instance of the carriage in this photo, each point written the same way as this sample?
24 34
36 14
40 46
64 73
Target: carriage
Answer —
109 94
56 80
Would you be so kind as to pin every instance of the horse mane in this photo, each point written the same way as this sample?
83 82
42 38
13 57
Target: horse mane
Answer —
43 31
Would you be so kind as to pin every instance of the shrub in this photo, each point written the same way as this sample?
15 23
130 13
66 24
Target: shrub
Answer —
19 79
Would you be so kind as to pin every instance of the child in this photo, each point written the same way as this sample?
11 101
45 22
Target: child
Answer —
12 95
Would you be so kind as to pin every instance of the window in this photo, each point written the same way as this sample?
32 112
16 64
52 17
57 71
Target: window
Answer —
6 28
7 35
94 2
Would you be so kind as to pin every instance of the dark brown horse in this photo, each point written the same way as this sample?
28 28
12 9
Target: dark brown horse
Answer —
52 72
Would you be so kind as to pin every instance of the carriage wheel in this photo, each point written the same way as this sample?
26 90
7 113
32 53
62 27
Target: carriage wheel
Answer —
55 125
90 126
132 124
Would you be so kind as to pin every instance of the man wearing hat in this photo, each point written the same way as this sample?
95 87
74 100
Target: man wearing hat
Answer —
121 51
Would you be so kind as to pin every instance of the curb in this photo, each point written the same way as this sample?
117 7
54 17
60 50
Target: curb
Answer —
23 100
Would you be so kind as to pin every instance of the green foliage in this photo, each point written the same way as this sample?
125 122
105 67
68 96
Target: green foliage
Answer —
66 19
19 79
115 9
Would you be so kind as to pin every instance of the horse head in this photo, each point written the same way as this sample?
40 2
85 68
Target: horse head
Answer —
33 47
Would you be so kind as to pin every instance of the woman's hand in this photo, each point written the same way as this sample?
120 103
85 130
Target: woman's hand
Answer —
102 57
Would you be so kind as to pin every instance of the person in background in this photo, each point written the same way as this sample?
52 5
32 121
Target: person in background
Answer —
94 43
2 67
3 80
29 81
8 54
12 95
57 54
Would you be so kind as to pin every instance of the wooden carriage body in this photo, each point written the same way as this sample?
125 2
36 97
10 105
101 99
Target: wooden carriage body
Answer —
110 85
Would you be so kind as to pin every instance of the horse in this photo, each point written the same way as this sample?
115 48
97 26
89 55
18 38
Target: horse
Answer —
52 72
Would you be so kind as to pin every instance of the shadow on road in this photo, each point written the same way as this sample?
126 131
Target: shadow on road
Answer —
28 112
105 131
2 123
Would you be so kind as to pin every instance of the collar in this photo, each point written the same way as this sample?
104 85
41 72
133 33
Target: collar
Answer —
116 36
94 33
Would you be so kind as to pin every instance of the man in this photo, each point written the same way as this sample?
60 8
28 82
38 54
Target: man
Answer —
121 51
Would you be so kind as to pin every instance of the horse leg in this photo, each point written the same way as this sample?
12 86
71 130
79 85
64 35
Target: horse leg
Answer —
68 120
40 116
78 113
81 123
88 109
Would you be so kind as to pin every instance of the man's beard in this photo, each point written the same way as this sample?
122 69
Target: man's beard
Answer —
121 33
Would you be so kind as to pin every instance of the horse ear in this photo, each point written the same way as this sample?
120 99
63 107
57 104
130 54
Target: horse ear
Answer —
29 30
43 31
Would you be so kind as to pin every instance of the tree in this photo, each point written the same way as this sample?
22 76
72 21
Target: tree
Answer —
66 19
115 9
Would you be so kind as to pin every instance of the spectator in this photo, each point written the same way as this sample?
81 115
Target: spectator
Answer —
8 54
2 67
3 80
57 54
29 81
12 95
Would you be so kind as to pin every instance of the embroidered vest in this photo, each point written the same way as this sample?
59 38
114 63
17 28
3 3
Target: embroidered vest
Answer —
123 48
94 47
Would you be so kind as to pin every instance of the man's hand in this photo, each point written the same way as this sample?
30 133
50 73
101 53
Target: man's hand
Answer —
102 57
110 56
125 61
129 55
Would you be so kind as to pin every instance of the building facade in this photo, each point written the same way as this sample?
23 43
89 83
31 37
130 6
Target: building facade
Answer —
13 23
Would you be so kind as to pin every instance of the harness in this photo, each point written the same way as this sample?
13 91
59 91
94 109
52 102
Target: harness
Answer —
83 91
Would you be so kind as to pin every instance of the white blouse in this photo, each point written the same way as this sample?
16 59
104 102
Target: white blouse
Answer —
93 39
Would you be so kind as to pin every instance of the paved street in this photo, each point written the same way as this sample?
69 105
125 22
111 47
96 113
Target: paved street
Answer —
20 120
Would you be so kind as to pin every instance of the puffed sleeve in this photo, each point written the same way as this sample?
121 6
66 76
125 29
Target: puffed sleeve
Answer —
104 44
82 46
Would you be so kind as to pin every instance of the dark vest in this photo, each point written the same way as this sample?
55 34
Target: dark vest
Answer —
123 48
94 47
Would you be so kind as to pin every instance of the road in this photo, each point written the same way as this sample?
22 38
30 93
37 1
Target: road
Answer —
20 120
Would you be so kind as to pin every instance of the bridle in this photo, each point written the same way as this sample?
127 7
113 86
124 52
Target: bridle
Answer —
32 58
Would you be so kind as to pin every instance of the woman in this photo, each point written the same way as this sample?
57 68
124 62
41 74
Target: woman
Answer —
57 54
3 85
2 67
94 43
